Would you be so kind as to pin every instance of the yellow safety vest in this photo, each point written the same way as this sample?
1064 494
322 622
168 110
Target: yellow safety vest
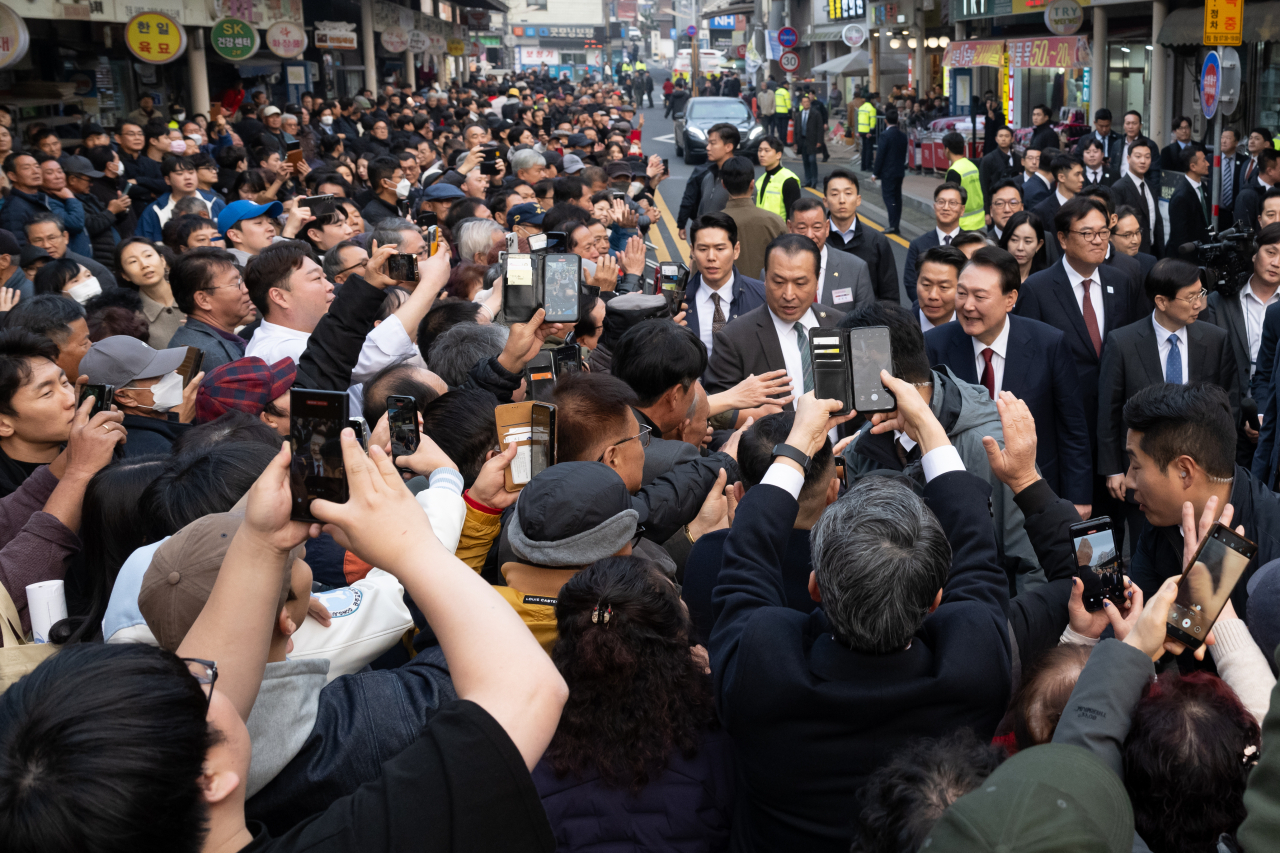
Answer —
770 196
782 101
626 68
1276 143
867 118
640 66
974 218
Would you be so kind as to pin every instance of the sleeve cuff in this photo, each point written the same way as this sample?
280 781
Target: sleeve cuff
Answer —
941 460
446 478
1071 638
479 507
784 477
1231 636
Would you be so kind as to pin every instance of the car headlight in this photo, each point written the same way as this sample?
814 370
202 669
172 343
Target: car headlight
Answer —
755 131
697 133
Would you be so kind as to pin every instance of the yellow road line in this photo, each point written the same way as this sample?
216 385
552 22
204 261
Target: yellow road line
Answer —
670 228
894 237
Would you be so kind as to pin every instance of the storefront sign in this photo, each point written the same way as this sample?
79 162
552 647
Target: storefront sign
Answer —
233 39
457 47
336 35
437 44
1063 17
395 39
1061 52
287 39
417 41
971 54
596 33
839 10
539 55
853 35
15 38
1223 22
721 22
155 38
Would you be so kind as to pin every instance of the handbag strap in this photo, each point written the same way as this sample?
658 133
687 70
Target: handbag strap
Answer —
10 621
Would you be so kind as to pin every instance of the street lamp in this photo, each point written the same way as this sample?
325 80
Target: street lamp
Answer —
943 41
932 42
911 43
895 43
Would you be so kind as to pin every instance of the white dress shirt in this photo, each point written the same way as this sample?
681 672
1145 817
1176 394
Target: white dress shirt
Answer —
707 308
953 233
998 349
791 348
1163 346
1255 310
1095 294
845 235
1093 176
1145 192
1061 198
1125 143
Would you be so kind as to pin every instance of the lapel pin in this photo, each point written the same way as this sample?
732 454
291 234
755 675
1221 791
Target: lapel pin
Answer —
1110 289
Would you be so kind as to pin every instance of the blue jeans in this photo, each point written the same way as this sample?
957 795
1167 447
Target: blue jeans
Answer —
810 160
891 190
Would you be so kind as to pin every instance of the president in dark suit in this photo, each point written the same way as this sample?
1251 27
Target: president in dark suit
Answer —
1190 207
808 121
891 167
991 347
1141 191
948 203
775 336
1084 299
1167 345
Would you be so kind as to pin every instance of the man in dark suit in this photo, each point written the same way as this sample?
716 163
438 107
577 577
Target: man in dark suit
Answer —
775 336
991 347
1132 136
808 137
1190 208
997 164
1096 171
1140 191
844 280
1267 175
1233 165
1126 264
1167 345
948 203
718 293
1035 187
1126 238
1084 299
1043 136
891 167
1068 172
936 286
1105 136
1171 156
1006 200
816 702
844 196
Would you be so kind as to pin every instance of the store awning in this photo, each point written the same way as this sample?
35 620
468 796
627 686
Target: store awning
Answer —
1050 52
847 64
1186 26
716 10
491 5
973 54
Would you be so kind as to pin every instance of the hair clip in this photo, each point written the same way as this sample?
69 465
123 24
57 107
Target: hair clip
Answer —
1250 755
596 614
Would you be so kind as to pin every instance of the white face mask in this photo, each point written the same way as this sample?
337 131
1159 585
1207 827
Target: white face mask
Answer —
167 393
402 188
179 116
196 138
85 290
326 120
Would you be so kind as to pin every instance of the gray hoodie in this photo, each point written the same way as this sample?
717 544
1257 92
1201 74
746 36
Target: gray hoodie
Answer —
283 716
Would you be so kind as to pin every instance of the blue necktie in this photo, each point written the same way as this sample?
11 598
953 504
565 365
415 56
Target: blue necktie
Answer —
1173 364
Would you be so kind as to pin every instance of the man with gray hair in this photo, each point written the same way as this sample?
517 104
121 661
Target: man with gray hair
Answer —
401 233
344 259
453 354
528 165
911 640
476 238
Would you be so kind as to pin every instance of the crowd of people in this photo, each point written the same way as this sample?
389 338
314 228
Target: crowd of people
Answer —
720 615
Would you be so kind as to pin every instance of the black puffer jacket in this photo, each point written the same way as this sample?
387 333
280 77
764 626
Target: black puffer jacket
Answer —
100 225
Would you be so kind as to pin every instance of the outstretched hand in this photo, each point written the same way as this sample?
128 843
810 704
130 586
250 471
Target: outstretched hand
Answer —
1015 463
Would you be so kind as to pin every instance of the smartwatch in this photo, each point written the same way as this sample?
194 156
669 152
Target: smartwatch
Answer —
793 454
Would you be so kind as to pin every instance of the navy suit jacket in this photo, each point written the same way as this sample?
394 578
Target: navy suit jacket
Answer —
1038 369
1034 191
1046 209
748 295
1047 296
891 155
920 245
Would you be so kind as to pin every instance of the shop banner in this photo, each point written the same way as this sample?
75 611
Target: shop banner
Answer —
973 54
336 35
233 39
395 39
15 38
457 47
287 39
417 41
155 38
535 56
1059 52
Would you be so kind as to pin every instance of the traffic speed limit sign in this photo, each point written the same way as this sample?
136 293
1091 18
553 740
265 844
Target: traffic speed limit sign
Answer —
789 60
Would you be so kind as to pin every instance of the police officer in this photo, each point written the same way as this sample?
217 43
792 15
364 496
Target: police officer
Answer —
782 110
867 131
965 173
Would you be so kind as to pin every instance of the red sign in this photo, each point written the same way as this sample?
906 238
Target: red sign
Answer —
741 50
1055 52
972 54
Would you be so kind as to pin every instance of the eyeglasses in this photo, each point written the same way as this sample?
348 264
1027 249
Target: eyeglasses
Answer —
1099 236
1012 204
1126 235
205 672
945 204
239 285
642 437
1195 298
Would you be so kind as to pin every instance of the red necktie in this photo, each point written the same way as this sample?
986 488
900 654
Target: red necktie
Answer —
989 373
1091 319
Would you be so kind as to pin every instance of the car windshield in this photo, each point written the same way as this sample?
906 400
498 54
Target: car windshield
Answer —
718 111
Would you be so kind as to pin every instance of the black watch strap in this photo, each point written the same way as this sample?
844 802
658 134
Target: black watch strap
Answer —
793 454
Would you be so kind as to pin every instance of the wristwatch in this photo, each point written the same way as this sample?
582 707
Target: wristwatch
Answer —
793 454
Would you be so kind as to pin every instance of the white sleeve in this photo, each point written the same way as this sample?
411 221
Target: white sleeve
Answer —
784 477
941 460
447 512
386 345
272 348
1242 665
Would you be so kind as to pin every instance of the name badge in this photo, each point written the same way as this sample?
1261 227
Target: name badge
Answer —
843 295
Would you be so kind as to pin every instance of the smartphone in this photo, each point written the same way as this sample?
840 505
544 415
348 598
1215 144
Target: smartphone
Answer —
840 472
136 191
869 353
402 420
294 152
433 240
513 243
1097 562
1207 584
557 241
560 276
215 112
832 374
427 219
316 421
361 428
519 298
102 396
673 279
317 204
532 426
568 359
489 167
666 166
190 365
540 376
402 267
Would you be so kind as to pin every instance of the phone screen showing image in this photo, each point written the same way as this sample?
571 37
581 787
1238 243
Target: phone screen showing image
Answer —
316 421
1097 564
560 297
402 420
1207 584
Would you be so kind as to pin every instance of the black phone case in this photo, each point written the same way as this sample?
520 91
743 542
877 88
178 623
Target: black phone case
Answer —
329 488
554 316
519 299
832 375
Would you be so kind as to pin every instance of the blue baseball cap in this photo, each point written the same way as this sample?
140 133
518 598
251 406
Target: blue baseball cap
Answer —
525 214
579 140
239 211
440 191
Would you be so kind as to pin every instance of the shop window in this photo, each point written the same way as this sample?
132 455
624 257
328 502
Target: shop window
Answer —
1269 85
1127 75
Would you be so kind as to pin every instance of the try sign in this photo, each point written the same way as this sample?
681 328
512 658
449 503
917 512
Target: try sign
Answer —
1210 84
789 61
788 37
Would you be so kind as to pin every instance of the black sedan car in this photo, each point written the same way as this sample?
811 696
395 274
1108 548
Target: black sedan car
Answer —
698 117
